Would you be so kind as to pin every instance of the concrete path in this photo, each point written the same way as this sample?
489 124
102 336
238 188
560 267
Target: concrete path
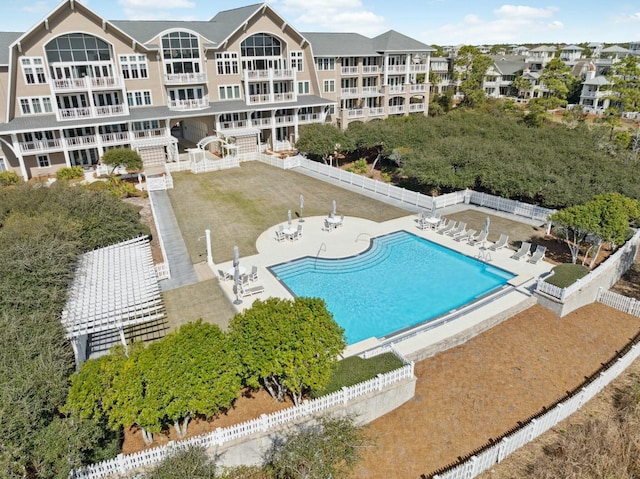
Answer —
183 272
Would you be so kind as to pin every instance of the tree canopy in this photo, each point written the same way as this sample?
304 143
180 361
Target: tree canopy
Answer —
287 346
122 157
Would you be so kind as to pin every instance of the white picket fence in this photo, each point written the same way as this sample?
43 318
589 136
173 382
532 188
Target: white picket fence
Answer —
387 190
206 165
611 262
124 463
623 303
159 183
495 452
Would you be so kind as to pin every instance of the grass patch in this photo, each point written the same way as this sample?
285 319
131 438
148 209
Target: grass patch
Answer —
355 370
567 274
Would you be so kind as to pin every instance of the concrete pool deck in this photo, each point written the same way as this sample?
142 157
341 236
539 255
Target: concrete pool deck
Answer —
353 238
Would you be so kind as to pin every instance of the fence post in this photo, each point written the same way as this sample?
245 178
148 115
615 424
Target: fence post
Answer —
345 395
599 295
380 382
502 449
632 305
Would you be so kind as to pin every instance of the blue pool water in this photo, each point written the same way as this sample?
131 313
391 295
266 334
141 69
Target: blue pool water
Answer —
400 281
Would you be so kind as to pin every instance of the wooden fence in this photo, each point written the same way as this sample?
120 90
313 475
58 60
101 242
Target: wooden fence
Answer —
124 463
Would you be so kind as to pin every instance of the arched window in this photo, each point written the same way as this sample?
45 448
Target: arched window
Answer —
261 45
181 53
77 48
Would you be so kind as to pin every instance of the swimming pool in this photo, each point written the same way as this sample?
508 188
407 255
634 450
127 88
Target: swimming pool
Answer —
402 280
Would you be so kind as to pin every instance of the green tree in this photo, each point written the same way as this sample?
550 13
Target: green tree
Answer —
122 157
556 76
321 140
330 448
471 67
573 224
522 85
287 346
625 83
192 372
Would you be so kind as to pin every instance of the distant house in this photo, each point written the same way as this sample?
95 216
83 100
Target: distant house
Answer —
501 74
571 54
594 97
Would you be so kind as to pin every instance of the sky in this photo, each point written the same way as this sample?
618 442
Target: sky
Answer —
434 22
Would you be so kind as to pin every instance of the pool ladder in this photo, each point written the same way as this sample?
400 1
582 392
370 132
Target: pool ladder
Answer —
323 247
358 237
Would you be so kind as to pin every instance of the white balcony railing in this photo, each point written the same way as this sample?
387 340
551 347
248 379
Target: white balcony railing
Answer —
261 122
370 69
110 110
349 70
182 78
38 146
395 109
418 68
271 98
370 90
86 83
191 104
116 137
309 117
396 68
351 91
254 75
285 119
355 113
73 113
150 133
232 125
80 141
418 88
416 107
396 89
377 111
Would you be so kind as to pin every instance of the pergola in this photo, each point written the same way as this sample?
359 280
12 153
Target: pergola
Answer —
113 288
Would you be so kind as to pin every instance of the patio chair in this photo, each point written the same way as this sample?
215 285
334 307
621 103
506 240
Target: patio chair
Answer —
251 291
481 238
538 254
341 222
523 251
280 236
501 243
222 276
458 230
447 227
253 276
465 235
328 226
299 232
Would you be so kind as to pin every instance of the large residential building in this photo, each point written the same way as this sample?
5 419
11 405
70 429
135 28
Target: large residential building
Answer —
77 84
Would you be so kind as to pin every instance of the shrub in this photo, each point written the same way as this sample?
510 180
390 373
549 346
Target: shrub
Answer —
8 178
359 167
566 274
71 173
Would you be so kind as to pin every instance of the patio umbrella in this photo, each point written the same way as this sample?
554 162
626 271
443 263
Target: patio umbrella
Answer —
289 217
236 257
333 208
301 206
236 282
486 225
433 207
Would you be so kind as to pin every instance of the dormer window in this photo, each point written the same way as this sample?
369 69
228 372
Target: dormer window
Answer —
181 53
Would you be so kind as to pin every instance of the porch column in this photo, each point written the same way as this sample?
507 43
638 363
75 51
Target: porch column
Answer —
18 153
385 79
273 130
295 125
407 73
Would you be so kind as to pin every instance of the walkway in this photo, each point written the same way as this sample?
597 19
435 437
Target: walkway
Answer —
182 271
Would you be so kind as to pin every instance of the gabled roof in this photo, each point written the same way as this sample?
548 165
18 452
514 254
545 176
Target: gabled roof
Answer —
543 48
326 44
571 47
6 40
393 41
615 49
508 64
145 30
599 80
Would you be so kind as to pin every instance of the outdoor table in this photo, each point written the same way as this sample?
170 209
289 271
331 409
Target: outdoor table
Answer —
334 220
432 221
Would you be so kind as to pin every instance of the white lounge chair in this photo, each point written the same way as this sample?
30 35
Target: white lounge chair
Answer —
501 243
480 238
465 235
538 254
444 223
523 251
448 227
458 230
251 291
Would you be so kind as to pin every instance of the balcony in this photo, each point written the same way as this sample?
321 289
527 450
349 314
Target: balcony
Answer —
349 70
418 88
396 109
184 78
377 111
40 146
271 98
150 133
418 68
111 110
262 122
396 89
189 104
233 125
396 68
370 69
285 120
86 83
416 107
370 91
80 141
349 92
114 138
309 118
262 75
355 113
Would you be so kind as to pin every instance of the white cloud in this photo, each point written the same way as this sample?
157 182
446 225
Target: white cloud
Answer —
331 15
509 24
632 17
38 7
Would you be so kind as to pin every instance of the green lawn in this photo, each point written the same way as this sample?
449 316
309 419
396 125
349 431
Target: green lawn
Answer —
567 274
238 204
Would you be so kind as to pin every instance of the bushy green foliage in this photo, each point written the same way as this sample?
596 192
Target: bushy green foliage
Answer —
8 178
354 370
70 173
359 167
287 346
189 463
122 157
42 233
